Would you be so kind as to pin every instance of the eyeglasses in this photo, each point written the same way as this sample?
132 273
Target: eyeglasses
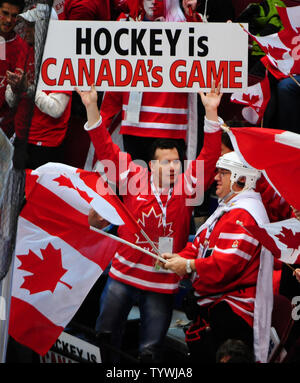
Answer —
222 172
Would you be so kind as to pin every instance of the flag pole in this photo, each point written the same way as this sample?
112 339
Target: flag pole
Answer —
293 78
157 257
225 127
151 242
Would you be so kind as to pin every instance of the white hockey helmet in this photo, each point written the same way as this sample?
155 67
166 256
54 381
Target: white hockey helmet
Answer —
230 161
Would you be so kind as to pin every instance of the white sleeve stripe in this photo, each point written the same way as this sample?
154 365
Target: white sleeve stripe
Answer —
157 285
235 251
239 307
239 236
98 123
140 266
251 300
205 301
155 125
160 110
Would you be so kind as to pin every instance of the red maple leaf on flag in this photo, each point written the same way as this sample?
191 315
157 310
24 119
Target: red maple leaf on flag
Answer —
250 99
65 181
46 271
275 52
84 195
291 240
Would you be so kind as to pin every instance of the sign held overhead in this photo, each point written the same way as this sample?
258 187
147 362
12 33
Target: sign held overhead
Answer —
143 56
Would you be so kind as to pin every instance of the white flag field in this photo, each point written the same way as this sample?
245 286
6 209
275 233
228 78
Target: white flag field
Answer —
141 56
281 238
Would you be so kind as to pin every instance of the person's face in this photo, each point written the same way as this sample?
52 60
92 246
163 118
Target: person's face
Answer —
223 182
165 167
8 18
154 9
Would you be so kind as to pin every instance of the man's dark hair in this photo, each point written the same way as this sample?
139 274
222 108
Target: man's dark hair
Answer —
18 3
226 140
234 351
168 143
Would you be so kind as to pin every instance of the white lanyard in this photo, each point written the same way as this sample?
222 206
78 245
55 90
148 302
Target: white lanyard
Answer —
158 199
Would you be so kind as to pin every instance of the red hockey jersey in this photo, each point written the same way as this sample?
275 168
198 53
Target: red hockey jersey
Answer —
161 114
227 261
46 130
131 266
86 10
13 48
39 128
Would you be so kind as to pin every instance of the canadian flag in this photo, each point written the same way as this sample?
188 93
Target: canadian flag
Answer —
256 97
281 238
276 153
282 50
57 257
290 17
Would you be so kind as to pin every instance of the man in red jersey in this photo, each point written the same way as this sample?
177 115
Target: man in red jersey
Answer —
146 115
11 45
161 205
232 277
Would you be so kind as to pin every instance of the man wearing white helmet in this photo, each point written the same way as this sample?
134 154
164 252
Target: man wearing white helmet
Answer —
224 262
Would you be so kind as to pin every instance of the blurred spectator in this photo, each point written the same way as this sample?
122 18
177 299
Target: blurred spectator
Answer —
234 351
46 130
11 45
86 10
77 140
288 99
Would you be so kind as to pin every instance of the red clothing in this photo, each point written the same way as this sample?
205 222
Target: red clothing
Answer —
131 266
22 116
13 48
86 10
40 129
231 263
46 130
277 208
162 114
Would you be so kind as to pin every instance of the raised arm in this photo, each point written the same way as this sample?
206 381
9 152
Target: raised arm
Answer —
211 150
105 148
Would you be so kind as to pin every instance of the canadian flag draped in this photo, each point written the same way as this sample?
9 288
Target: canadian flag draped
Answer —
256 97
281 238
58 258
282 50
276 153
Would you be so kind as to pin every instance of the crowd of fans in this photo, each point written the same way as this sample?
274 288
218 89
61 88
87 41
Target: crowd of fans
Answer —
48 126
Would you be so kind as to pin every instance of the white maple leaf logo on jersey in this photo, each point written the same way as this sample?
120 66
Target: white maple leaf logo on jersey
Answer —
151 220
